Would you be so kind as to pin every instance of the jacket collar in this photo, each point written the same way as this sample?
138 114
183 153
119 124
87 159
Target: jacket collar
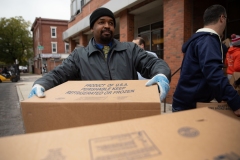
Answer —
116 45
207 30
214 32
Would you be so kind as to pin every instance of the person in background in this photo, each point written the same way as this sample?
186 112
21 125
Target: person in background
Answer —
201 77
141 43
105 58
5 70
232 60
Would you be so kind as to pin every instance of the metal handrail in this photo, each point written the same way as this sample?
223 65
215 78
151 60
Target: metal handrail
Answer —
165 98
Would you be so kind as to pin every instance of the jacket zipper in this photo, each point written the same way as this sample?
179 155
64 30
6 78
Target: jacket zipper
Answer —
106 60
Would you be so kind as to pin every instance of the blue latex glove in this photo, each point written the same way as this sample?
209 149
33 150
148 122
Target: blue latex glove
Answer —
163 84
37 90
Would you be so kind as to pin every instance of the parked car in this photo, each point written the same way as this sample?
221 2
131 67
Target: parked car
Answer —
23 69
8 77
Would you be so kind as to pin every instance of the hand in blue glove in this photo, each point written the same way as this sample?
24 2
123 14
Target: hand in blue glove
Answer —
37 90
163 84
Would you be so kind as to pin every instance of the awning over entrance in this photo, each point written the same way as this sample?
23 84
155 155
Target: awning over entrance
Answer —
52 55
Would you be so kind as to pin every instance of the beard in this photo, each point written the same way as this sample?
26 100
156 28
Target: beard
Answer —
106 36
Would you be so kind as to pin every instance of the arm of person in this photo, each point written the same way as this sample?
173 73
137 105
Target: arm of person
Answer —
152 53
149 65
154 69
236 63
226 60
60 74
211 66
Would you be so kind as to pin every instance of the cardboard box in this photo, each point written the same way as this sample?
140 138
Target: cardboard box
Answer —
199 134
80 103
222 108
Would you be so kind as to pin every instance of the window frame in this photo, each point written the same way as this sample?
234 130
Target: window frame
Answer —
66 50
55 28
149 30
54 43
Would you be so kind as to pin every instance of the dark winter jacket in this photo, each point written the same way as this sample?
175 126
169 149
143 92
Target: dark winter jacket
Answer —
202 78
88 63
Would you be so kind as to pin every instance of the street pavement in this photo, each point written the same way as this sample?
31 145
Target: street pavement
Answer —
10 118
12 94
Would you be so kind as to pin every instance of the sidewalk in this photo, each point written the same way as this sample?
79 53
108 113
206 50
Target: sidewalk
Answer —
25 84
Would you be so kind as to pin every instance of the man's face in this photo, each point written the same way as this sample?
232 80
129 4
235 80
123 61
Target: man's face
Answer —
137 42
103 30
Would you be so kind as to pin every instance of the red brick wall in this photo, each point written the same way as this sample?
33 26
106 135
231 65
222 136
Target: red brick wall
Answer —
83 39
72 45
60 42
51 64
126 25
46 38
175 15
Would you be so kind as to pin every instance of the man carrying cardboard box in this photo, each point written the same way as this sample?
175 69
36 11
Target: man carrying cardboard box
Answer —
105 58
202 78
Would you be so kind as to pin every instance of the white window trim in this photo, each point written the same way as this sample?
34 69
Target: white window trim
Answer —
66 51
55 32
52 43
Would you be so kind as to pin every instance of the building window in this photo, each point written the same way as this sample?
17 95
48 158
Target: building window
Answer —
66 48
79 8
86 1
77 5
153 36
53 32
83 2
54 47
73 7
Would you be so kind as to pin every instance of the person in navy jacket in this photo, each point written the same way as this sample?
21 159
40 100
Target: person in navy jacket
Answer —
202 78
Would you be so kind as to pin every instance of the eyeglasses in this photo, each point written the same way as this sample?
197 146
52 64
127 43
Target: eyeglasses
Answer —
223 16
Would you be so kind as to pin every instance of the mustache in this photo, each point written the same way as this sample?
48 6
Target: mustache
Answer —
106 30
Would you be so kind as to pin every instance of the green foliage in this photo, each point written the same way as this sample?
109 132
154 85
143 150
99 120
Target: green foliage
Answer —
15 40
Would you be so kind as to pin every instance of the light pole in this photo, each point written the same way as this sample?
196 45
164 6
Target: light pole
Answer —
41 63
40 48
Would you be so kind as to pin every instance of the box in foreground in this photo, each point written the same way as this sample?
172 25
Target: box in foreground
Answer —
199 134
80 103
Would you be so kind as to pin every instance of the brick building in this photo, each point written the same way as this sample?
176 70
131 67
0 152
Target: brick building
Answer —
164 24
48 45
